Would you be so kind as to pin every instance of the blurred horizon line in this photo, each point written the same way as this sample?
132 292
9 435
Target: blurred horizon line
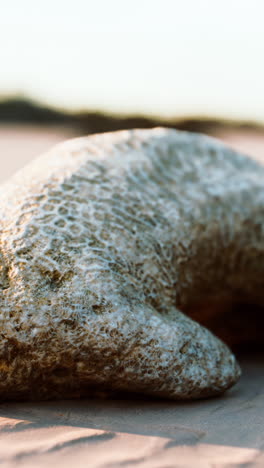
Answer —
21 108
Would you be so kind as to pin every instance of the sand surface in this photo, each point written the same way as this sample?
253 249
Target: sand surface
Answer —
224 432
20 144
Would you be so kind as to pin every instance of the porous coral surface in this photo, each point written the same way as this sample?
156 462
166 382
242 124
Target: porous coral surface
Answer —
105 242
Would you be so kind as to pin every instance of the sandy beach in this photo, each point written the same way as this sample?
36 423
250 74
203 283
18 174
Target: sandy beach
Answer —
223 432
19 144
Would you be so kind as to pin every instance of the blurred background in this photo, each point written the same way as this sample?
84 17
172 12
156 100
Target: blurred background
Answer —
73 67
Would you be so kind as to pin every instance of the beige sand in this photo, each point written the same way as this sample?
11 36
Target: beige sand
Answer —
19 144
222 432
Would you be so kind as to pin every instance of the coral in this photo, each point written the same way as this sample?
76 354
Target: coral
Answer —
107 243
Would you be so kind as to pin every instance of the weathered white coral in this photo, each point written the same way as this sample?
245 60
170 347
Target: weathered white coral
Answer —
105 241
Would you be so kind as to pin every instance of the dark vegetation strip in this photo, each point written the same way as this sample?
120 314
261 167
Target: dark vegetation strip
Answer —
19 110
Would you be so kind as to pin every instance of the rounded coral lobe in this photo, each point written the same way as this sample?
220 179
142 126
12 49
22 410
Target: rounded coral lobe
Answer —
110 245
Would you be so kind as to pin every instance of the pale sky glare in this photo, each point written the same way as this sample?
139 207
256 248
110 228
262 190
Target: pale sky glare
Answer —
170 57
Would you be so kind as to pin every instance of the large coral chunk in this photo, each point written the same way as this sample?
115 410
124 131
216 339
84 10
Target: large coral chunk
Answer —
106 242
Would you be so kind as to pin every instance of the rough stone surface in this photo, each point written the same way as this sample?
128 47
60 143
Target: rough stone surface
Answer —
104 242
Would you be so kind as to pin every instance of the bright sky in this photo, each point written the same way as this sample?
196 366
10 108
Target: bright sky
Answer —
170 57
